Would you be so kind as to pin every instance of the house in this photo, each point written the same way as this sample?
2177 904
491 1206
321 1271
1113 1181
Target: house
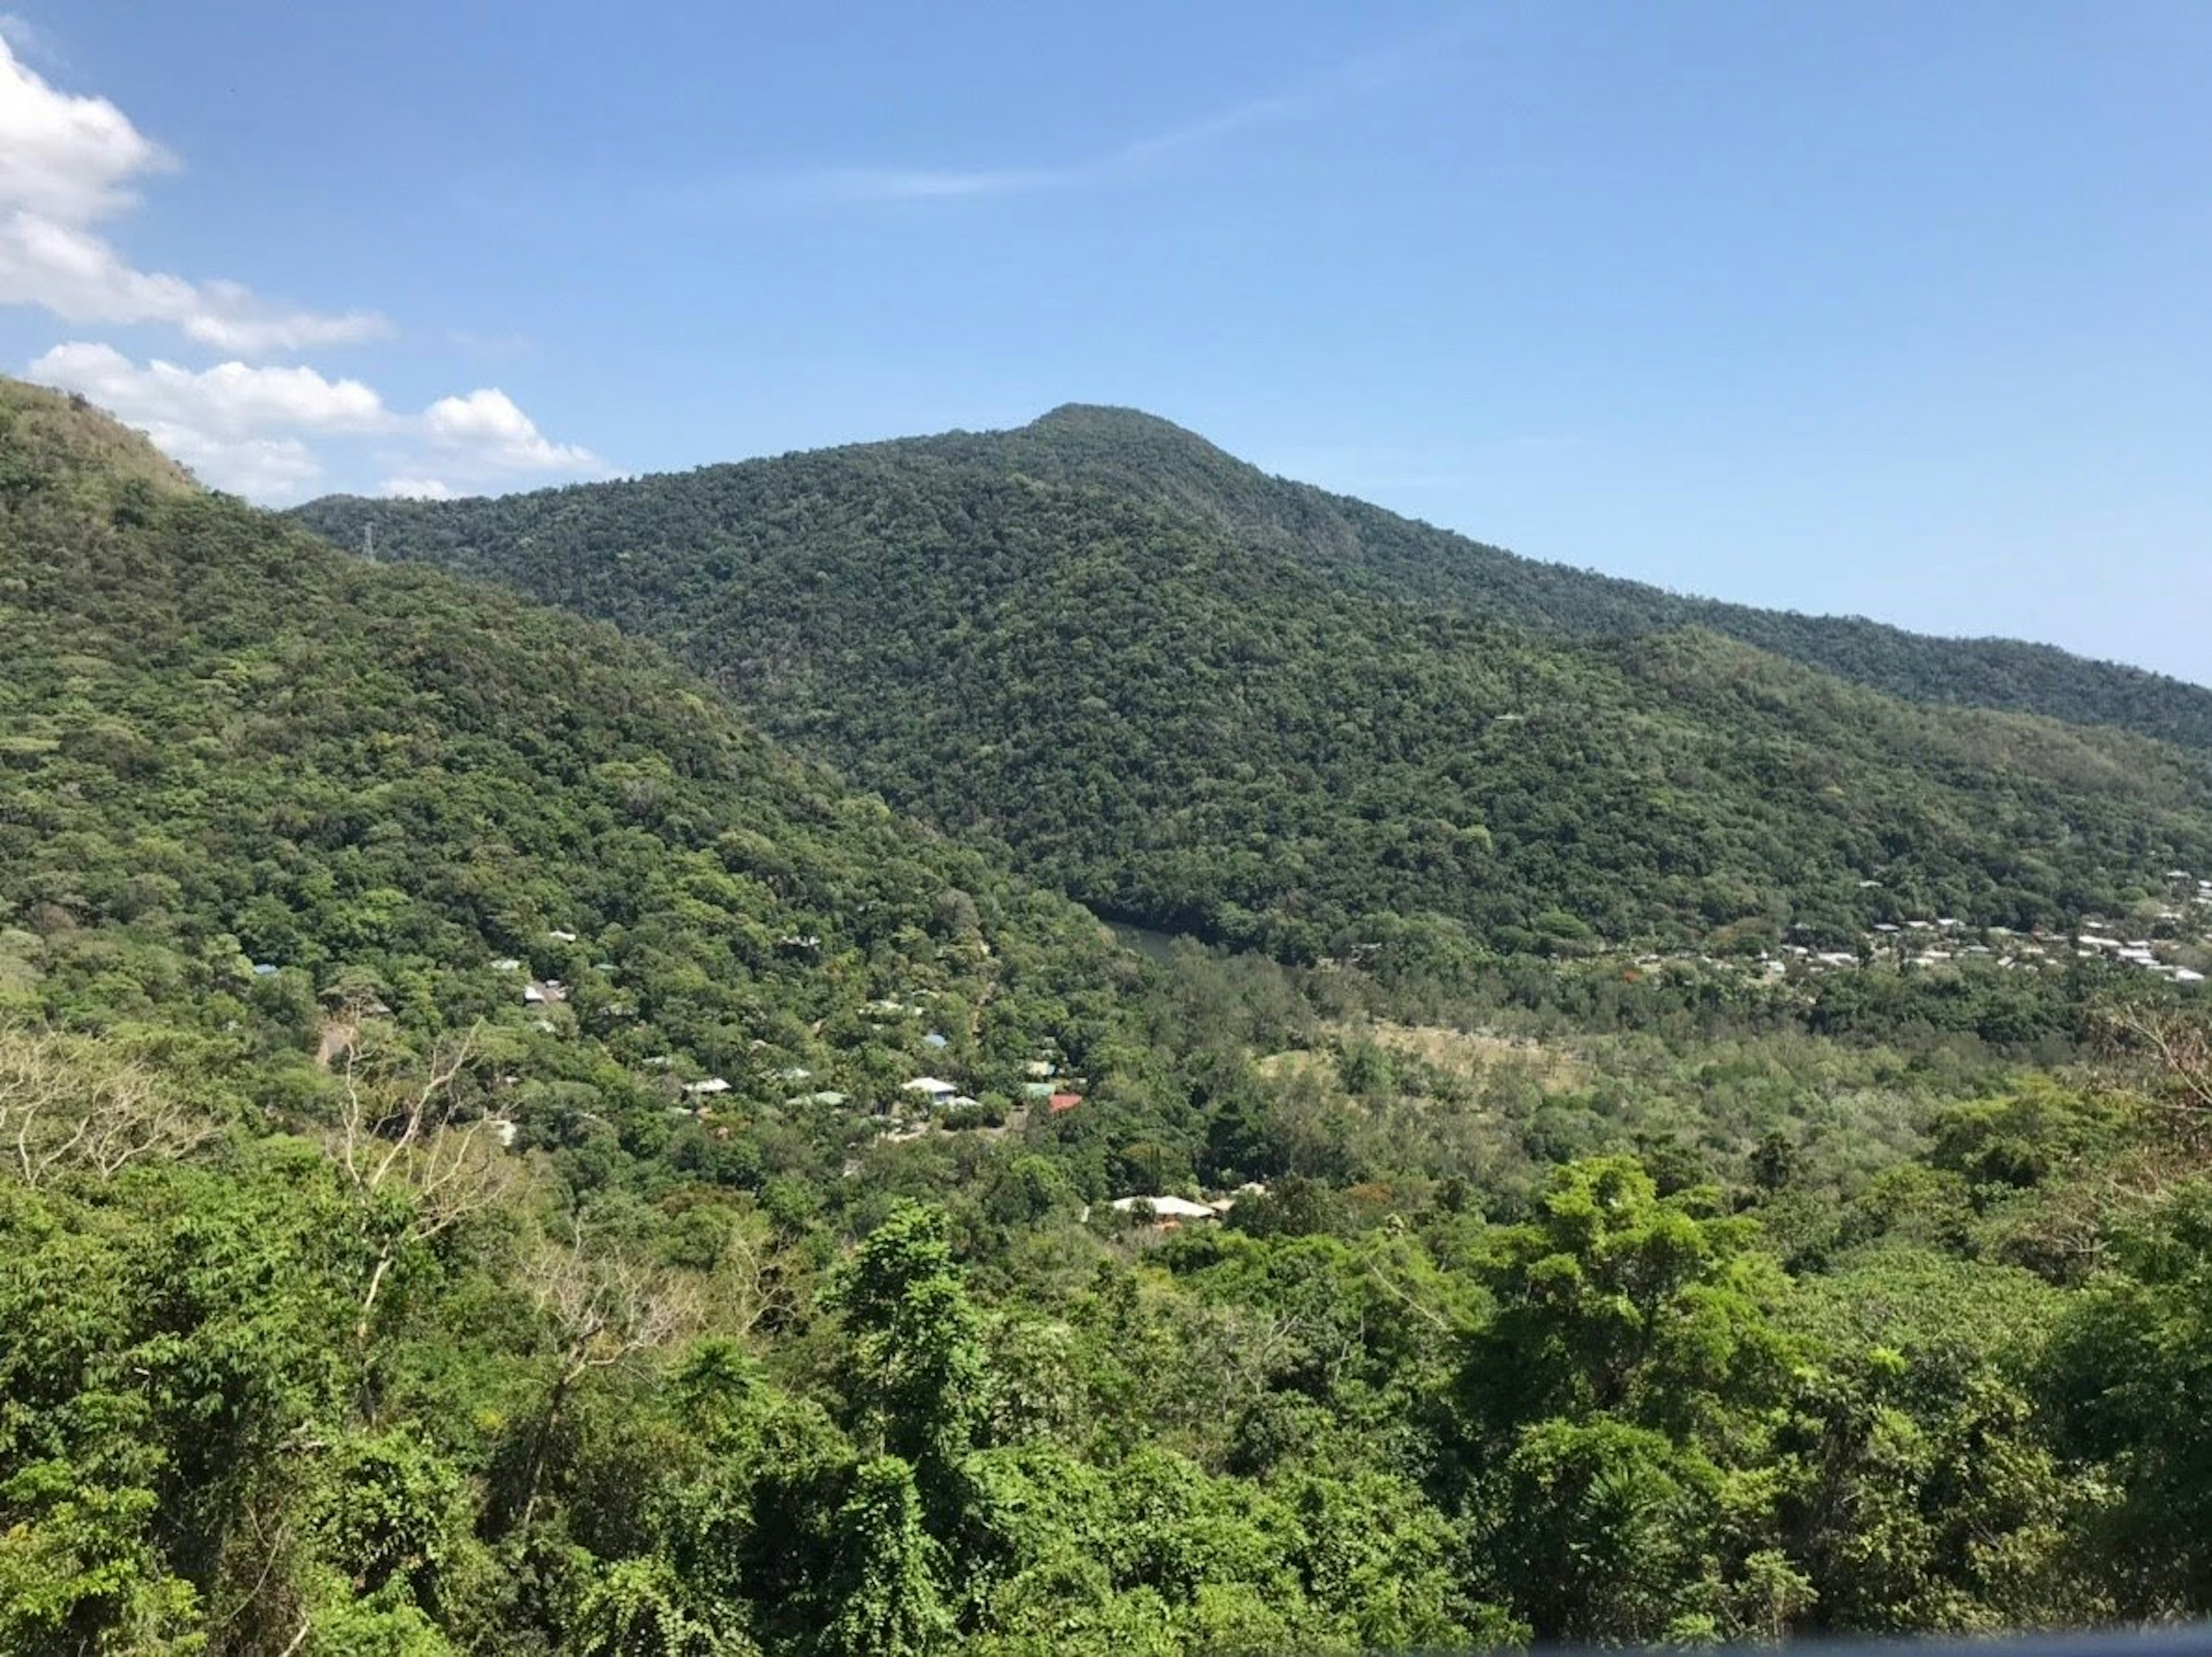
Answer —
506 963
935 1039
544 992
1164 1208
559 936
712 1085
827 1096
1041 1069
1039 1091
1060 1102
934 1089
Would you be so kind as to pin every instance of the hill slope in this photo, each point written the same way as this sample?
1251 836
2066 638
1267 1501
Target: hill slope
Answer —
1195 697
251 792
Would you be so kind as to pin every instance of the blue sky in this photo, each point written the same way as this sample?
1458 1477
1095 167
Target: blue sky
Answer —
1896 309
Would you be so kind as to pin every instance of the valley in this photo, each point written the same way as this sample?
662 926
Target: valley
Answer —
1032 1042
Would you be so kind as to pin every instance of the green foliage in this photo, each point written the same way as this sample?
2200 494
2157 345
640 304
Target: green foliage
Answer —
916 1377
1621 1304
2131 1376
355 1305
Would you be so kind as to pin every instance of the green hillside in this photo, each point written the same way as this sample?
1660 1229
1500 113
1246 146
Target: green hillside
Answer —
249 788
1196 698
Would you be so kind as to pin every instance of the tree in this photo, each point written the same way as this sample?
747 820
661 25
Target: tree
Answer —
915 1362
605 1307
1616 1302
1616 1402
885 1593
2130 1374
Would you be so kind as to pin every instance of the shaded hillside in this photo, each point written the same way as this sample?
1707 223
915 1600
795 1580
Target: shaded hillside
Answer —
1136 663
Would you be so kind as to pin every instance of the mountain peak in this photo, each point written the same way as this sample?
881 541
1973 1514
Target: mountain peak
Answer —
1107 417
1092 436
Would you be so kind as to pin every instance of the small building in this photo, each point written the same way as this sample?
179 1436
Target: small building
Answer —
936 1089
1062 1102
712 1084
1164 1208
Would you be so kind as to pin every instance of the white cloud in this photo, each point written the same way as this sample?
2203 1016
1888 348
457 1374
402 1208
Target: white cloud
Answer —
243 427
273 469
487 425
416 489
232 399
67 162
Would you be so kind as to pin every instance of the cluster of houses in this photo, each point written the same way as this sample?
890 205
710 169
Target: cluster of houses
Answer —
919 1100
922 1097
2179 948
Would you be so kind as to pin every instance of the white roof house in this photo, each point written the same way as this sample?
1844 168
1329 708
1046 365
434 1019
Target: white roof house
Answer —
1165 1208
712 1085
934 1086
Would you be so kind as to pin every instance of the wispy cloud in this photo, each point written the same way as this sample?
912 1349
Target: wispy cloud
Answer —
27 40
1125 163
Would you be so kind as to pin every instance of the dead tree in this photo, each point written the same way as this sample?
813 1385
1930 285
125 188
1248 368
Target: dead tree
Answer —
2178 1042
68 1105
605 1307
415 1173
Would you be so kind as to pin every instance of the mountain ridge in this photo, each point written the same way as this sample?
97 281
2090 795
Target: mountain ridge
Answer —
1076 437
1196 697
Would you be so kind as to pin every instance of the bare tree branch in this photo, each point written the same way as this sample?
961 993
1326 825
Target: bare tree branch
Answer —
2179 1043
67 1104
402 1140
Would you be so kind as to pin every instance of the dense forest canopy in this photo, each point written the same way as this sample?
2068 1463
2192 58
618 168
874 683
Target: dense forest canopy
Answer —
1200 699
462 1190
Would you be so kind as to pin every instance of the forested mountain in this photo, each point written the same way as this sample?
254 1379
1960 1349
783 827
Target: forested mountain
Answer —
1193 696
461 1192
